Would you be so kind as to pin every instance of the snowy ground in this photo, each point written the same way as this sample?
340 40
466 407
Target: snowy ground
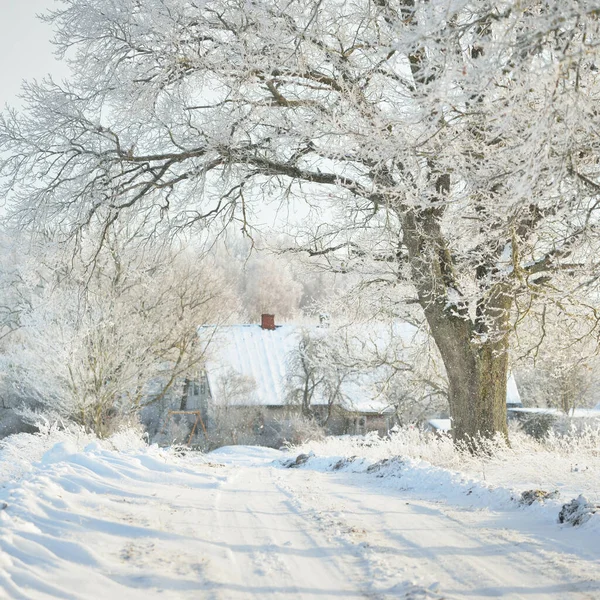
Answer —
87 521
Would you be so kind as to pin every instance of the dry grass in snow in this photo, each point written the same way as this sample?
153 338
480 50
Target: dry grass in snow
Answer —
569 463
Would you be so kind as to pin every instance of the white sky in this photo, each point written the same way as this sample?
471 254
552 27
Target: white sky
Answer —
25 48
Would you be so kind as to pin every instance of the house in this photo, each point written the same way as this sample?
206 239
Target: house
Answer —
536 421
249 369
576 413
247 372
539 420
523 414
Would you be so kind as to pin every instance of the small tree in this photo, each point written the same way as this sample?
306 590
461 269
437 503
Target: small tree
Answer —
314 375
558 362
97 347
360 362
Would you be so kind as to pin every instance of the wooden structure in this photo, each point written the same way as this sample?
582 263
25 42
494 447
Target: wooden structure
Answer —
187 412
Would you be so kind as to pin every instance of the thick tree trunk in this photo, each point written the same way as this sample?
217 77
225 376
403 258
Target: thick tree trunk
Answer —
474 350
477 375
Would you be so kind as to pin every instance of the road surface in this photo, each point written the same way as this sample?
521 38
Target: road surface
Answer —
108 526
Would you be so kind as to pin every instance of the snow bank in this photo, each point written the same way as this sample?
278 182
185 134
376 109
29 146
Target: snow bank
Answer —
63 502
553 473
20 452
443 485
567 463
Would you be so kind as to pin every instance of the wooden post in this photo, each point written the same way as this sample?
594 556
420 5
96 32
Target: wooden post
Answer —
187 412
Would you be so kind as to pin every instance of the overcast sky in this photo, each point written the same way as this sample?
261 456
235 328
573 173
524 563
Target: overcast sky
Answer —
25 49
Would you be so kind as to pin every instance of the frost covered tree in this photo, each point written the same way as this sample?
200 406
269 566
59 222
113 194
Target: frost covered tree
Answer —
451 144
347 362
317 370
265 282
557 357
96 348
270 287
264 278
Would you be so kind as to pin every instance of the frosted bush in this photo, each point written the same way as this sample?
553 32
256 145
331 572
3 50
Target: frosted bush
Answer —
576 441
298 429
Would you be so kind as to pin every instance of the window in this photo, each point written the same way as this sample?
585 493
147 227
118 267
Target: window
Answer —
361 425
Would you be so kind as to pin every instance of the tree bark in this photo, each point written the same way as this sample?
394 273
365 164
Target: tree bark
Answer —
477 376
474 349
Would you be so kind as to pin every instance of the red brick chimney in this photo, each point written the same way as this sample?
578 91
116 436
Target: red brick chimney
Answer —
267 321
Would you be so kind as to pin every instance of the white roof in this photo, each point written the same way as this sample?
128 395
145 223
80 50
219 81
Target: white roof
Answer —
259 356
256 362
513 398
578 413
249 365
440 424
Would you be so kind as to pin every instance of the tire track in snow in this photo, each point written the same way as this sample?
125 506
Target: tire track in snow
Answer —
436 544
277 551
380 579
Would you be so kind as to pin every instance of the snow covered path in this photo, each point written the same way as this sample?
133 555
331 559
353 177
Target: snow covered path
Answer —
461 553
98 524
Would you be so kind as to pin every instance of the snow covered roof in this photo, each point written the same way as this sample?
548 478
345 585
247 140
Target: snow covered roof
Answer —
255 355
513 398
444 425
249 366
578 413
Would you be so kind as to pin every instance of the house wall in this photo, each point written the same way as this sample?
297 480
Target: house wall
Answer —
380 423
270 425
343 422
261 425
363 423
